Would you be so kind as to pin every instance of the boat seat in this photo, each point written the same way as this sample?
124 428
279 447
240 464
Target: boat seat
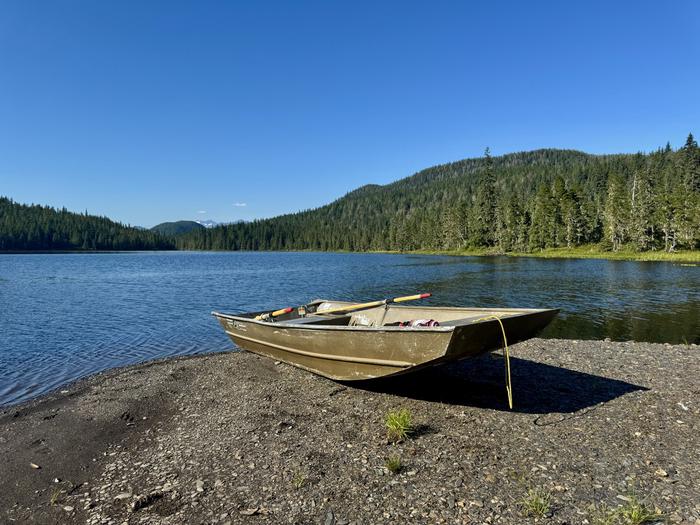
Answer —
342 320
304 320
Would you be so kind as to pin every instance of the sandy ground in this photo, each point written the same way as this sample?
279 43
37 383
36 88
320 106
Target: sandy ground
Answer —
237 438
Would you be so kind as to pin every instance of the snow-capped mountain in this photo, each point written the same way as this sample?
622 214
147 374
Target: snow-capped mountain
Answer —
208 223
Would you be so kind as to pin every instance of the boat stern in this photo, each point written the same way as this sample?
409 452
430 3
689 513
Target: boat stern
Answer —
485 334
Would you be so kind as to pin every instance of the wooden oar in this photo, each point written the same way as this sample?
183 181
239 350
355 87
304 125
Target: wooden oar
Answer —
273 314
372 304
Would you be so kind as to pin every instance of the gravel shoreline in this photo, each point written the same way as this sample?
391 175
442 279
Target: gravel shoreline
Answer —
237 438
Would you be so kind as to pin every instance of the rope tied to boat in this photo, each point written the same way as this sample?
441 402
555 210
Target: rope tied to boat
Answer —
509 386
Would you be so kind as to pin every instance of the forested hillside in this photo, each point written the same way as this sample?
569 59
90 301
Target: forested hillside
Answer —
176 228
517 202
33 227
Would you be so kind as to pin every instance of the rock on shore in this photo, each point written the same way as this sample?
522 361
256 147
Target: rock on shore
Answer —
237 438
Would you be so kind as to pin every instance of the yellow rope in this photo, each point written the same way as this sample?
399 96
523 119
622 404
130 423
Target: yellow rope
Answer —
509 386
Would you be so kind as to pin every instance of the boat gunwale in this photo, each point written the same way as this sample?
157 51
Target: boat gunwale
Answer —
415 329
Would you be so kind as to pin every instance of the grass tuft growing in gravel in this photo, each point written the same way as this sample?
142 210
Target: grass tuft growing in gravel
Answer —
55 496
399 424
633 512
536 503
393 464
299 480
603 516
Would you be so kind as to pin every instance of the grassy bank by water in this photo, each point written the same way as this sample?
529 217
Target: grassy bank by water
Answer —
589 251
581 252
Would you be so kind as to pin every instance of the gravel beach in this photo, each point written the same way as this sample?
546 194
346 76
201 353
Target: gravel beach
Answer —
237 438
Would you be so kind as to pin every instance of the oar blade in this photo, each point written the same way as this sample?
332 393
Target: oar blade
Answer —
411 297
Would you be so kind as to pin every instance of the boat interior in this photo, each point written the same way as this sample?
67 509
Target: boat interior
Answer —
386 315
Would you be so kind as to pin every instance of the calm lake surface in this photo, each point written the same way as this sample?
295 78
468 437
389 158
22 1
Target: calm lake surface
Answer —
64 316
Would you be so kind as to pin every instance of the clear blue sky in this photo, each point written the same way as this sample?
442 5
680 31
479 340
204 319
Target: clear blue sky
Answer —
154 111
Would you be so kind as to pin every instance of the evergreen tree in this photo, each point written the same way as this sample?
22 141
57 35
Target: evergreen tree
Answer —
642 210
541 230
688 194
616 212
570 215
482 217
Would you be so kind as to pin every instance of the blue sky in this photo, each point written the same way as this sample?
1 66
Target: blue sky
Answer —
154 111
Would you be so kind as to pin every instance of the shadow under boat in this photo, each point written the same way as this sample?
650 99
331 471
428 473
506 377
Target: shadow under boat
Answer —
479 382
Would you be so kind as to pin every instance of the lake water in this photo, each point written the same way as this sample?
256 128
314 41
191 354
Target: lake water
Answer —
65 316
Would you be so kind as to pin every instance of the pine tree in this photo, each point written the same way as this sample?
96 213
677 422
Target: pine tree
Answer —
541 232
616 212
642 210
688 195
570 213
482 214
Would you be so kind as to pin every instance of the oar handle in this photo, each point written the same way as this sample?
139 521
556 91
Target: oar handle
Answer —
351 307
274 314
362 306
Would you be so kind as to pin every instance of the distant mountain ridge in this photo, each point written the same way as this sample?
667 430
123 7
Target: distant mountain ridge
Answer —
208 223
171 229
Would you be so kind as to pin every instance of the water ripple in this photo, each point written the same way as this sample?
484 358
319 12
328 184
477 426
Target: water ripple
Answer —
66 316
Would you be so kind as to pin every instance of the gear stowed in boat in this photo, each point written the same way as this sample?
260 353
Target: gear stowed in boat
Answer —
347 341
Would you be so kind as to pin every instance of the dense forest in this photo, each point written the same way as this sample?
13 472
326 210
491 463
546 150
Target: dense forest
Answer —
33 227
519 202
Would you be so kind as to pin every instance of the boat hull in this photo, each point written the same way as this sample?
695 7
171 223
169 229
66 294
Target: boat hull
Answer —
354 353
